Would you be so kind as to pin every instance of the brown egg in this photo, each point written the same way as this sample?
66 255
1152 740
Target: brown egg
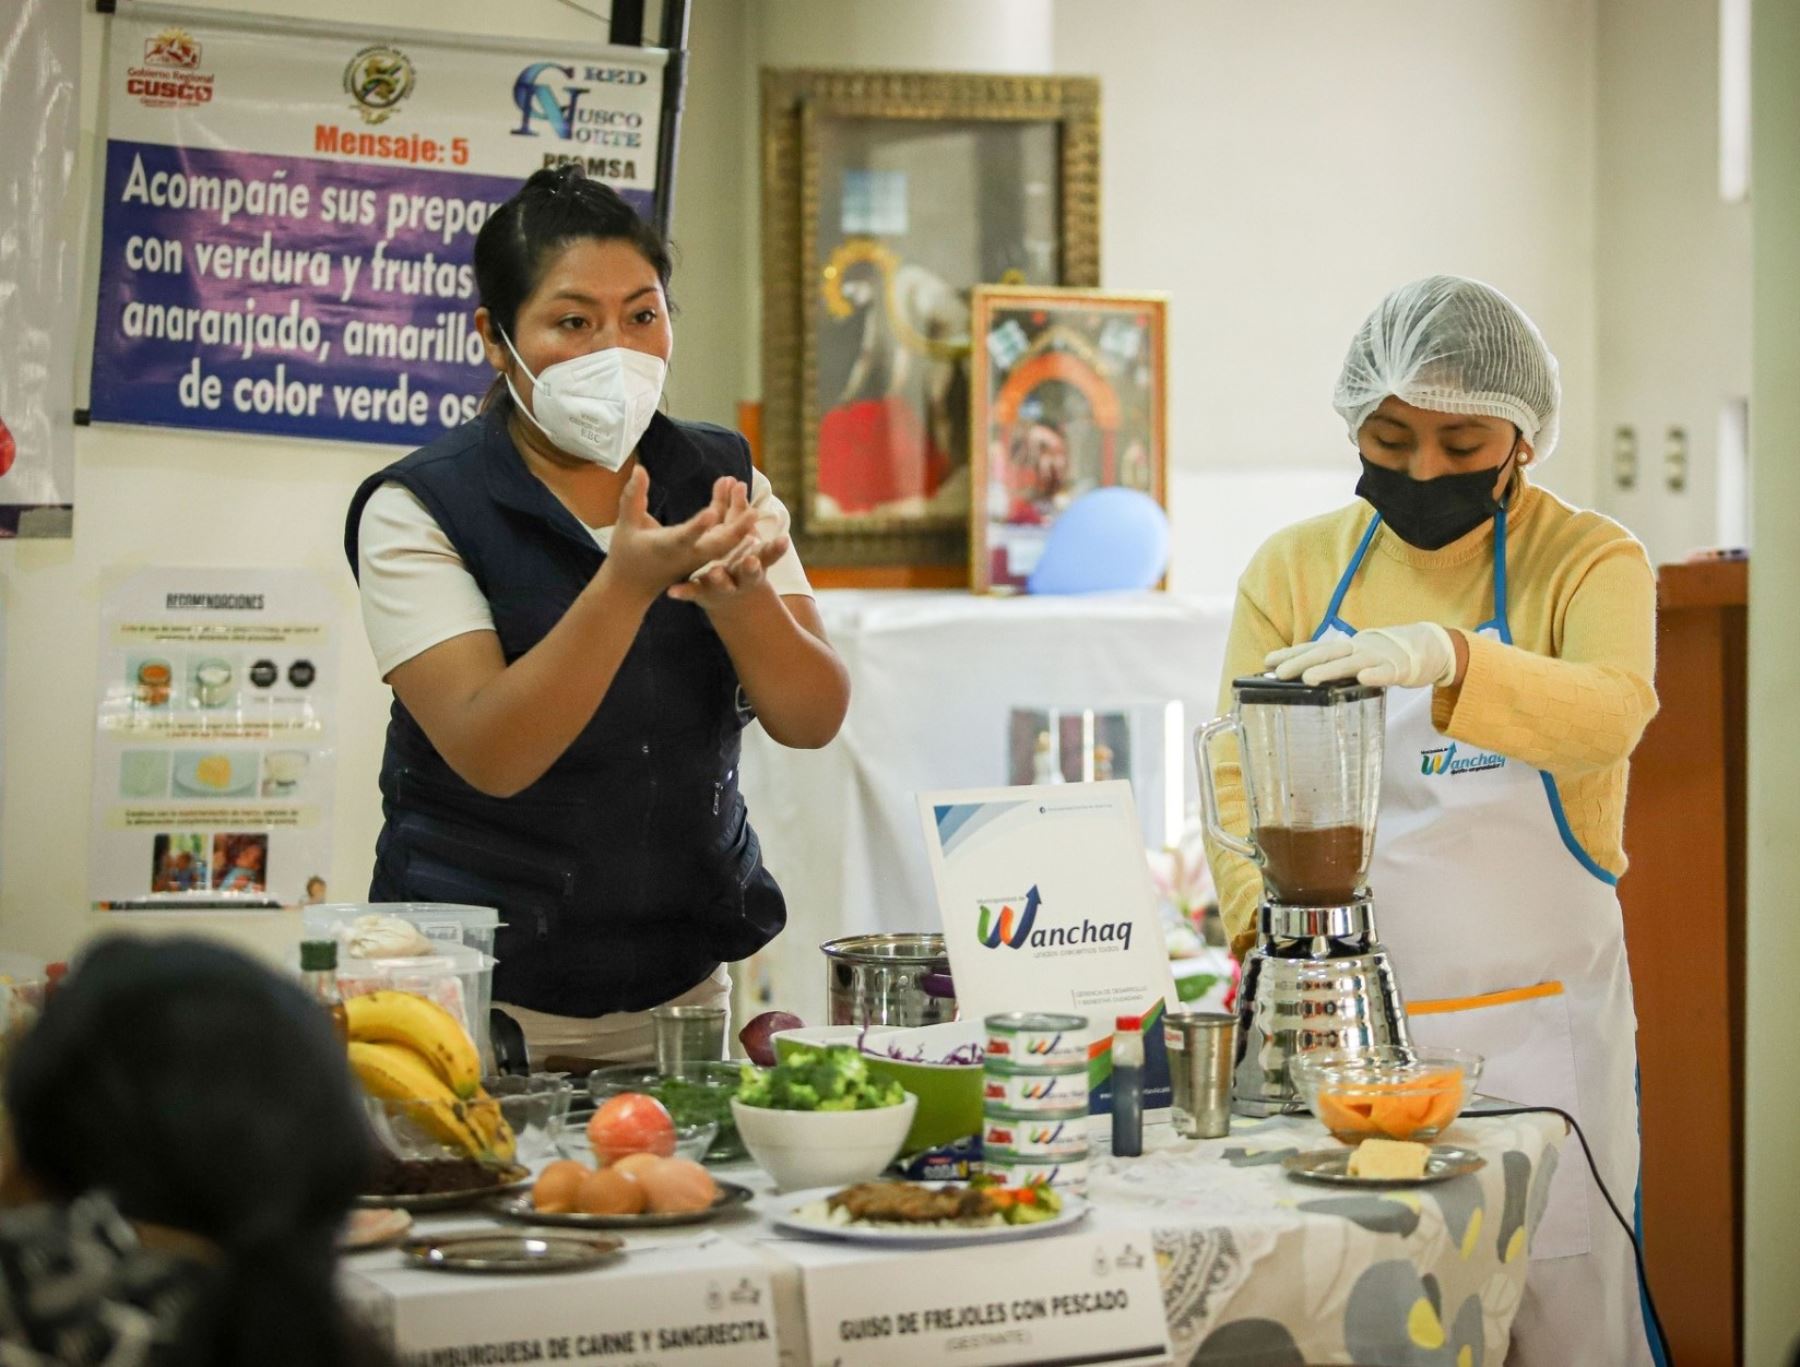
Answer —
554 1191
634 1164
606 1191
673 1185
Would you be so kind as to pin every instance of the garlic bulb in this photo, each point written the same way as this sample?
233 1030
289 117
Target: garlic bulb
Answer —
386 937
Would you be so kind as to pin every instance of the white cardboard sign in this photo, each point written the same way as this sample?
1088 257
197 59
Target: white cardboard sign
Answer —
1074 1299
707 1304
1047 905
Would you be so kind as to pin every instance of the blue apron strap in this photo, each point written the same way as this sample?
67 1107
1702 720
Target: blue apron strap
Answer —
1552 794
1498 622
1331 618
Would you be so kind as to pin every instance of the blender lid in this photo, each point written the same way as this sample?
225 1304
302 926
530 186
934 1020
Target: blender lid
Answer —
1266 688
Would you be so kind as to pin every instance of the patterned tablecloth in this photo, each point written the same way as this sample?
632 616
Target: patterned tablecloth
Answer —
1257 1269
1261 1270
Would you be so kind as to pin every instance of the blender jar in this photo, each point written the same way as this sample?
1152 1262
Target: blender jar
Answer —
1310 759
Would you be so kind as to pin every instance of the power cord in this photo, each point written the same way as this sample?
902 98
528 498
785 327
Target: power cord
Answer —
1637 1248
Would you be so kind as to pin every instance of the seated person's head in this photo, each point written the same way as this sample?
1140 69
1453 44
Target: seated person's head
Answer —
208 1095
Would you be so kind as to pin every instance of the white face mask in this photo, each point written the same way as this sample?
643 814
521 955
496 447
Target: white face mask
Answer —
595 406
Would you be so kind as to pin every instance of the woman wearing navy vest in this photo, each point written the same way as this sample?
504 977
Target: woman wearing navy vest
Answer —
579 604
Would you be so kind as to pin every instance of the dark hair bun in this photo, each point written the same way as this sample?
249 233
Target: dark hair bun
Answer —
558 205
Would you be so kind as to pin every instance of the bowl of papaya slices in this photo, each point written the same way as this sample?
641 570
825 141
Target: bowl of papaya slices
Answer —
1386 1092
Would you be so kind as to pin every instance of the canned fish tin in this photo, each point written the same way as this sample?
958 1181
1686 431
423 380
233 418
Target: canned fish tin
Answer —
1065 1174
1041 1136
1035 1092
1031 1039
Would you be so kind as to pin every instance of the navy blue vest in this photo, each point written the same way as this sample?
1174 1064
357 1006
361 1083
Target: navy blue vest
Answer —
628 871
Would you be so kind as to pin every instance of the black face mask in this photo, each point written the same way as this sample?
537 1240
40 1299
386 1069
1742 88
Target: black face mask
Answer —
1430 513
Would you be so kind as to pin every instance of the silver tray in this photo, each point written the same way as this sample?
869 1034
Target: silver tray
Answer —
513 1177
731 1195
1330 1166
524 1251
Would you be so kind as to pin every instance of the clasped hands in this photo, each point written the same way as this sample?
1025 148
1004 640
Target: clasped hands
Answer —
715 558
1418 655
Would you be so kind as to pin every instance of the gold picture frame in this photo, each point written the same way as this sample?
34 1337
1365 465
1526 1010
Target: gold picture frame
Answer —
1068 392
886 198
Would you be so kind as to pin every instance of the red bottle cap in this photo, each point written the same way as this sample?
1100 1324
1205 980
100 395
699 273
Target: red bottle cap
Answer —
1129 1023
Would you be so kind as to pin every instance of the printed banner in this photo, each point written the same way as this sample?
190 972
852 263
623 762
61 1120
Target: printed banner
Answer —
215 761
290 215
40 68
1047 905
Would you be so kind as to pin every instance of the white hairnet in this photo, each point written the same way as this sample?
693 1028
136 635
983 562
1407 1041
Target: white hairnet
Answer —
1453 346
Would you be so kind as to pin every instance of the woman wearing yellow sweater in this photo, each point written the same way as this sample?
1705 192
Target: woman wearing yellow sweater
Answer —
1517 635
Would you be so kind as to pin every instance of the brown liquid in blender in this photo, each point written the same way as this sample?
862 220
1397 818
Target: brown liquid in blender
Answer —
1311 866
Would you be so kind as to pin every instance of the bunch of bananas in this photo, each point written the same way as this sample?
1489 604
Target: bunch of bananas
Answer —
416 1056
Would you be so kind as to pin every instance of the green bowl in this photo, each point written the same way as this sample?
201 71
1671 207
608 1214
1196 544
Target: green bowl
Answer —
949 1093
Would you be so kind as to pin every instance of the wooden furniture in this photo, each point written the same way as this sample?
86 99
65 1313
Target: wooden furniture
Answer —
1683 900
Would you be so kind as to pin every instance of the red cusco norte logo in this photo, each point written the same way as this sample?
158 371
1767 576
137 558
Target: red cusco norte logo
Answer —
1008 928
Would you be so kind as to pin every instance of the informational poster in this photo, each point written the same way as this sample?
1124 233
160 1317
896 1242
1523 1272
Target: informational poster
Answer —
290 212
215 757
40 72
1047 905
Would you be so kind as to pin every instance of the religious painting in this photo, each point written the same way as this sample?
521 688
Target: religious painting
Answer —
887 197
1068 395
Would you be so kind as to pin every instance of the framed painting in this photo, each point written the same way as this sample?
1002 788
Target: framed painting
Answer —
887 198
1068 393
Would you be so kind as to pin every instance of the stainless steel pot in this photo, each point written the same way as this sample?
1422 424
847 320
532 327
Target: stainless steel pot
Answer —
895 979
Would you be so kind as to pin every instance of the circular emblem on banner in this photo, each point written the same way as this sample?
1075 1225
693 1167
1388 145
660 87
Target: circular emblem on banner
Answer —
378 79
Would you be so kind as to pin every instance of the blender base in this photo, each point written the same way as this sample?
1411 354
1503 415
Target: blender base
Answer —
1295 1005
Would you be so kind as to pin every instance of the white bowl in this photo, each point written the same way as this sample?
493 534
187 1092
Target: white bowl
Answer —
801 1149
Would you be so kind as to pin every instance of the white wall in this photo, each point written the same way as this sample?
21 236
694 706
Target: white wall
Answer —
1277 167
1772 1013
156 497
1672 302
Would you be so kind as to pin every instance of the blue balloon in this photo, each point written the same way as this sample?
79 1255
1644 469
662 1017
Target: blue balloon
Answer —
1108 540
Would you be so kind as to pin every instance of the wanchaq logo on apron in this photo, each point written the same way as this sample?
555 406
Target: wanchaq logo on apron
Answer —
1445 760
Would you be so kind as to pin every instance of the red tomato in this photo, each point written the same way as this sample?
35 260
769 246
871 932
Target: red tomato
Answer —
631 1123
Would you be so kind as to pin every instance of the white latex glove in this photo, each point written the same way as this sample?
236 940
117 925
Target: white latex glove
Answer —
1418 655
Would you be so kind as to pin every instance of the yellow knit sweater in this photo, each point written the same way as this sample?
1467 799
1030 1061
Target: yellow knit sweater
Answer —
1571 695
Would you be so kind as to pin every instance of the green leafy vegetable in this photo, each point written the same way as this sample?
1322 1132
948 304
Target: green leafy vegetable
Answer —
833 1078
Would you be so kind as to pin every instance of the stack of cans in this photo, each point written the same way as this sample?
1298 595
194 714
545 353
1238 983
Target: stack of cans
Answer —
1035 1100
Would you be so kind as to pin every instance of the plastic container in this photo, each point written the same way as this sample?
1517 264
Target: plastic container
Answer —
473 926
457 978
459 927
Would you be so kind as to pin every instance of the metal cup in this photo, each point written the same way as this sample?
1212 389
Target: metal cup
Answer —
1201 1045
687 1036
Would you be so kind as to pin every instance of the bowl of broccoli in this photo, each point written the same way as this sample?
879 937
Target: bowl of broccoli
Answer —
820 1117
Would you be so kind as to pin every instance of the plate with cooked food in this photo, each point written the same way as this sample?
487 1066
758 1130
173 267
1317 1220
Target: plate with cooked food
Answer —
424 1185
1383 1163
929 1212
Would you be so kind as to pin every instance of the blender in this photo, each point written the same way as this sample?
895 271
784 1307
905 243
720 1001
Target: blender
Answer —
1318 978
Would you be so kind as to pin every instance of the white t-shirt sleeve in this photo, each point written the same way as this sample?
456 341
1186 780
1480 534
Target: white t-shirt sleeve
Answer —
416 592
787 575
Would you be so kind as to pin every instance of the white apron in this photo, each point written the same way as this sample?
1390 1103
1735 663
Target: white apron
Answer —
1507 940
